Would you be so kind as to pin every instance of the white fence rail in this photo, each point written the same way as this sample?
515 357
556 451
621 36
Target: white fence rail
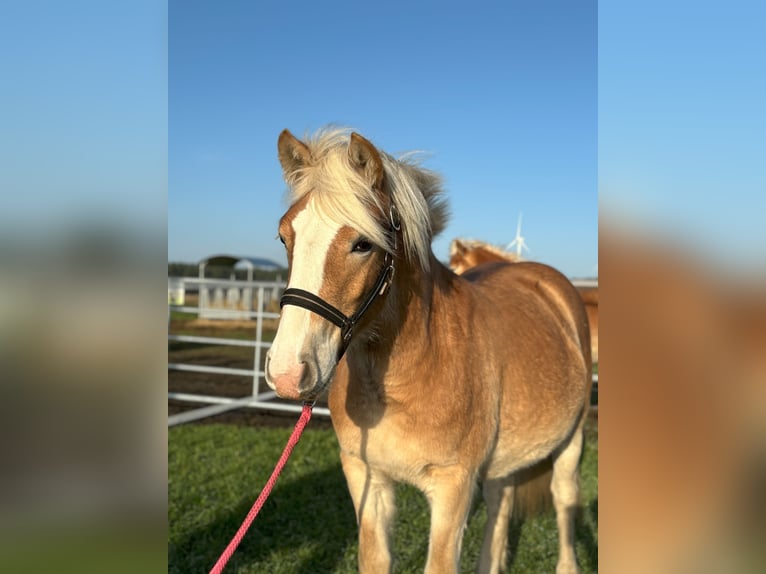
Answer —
248 304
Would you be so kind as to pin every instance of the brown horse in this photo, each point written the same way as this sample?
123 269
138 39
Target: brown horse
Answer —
464 254
438 380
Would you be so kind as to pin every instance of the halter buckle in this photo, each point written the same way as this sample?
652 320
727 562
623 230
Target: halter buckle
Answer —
389 277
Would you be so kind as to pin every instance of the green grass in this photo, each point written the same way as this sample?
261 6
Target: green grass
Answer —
307 525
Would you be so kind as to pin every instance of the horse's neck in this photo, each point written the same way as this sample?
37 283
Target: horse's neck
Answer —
378 370
405 325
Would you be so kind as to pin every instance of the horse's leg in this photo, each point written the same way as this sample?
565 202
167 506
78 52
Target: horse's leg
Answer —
498 497
449 493
565 487
373 497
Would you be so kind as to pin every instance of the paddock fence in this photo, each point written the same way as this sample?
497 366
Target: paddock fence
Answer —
222 299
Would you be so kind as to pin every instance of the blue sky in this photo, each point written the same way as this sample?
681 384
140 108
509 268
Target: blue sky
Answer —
501 96
83 116
682 124
151 115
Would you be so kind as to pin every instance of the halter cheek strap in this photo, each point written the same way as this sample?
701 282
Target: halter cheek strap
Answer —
315 304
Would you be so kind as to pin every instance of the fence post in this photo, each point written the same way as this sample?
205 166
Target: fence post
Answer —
258 341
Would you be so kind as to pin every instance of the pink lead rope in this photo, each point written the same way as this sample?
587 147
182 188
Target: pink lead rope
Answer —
292 441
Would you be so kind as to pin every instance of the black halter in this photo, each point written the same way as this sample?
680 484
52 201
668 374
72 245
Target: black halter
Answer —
316 304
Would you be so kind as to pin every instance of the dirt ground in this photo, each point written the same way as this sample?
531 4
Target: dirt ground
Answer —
234 386
250 417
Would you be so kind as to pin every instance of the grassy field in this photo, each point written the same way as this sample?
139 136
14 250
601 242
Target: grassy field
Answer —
307 525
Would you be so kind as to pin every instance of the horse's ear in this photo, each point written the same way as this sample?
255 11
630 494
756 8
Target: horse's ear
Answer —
457 247
293 154
366 160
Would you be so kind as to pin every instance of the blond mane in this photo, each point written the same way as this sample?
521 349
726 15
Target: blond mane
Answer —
343 195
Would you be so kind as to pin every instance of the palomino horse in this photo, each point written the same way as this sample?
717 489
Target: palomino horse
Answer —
465 254
438 380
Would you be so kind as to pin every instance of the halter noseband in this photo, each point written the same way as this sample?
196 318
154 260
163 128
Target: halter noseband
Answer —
316 304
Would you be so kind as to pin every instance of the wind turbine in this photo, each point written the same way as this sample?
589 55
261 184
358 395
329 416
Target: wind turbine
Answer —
518 241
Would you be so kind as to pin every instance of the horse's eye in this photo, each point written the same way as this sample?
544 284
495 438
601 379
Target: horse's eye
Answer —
282 239
362 246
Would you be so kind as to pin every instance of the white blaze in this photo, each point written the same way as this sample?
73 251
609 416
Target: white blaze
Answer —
292 343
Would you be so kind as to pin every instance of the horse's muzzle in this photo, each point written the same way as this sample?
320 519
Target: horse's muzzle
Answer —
297 382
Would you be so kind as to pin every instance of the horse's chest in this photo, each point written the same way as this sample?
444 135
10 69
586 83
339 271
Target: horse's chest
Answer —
402 452
398 436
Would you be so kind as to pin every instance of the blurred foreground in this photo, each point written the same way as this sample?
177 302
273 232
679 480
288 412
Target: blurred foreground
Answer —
83 407
682 477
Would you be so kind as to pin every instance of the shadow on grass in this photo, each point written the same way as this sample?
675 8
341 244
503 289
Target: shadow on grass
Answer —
586 542
585 532
306 526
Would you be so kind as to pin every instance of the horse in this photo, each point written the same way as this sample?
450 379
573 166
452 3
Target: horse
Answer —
439 380
465 254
